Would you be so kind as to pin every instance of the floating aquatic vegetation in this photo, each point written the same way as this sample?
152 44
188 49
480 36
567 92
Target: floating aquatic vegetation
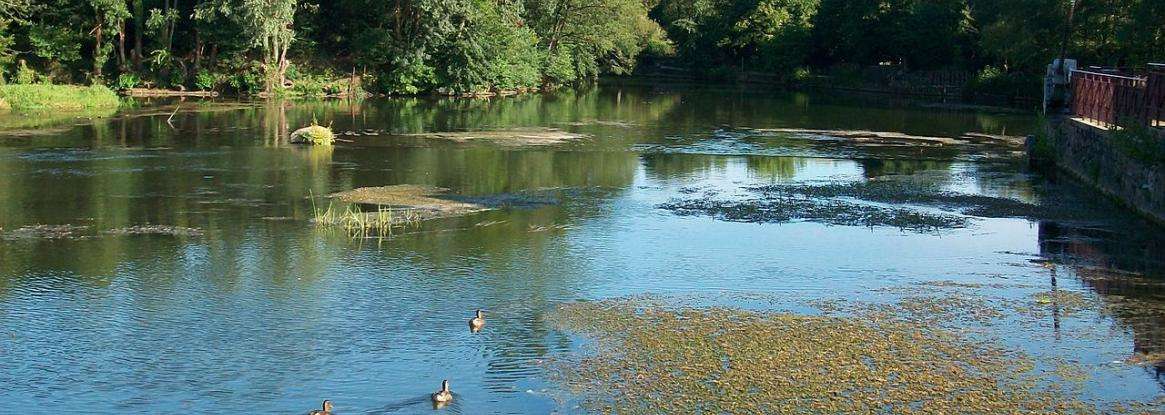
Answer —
77 232
155 230
908 203
46 232
908 192
833 212
651 358
946 310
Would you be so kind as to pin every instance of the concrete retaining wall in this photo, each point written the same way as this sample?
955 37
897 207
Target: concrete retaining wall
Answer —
1086 151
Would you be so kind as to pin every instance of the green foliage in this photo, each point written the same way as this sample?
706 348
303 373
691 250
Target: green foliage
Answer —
770 35
14 9
310 85
489 52
205 81
1139 141
238 76
55 43
127 81
26 75
38 97
993 80
459 46
919 34
7 41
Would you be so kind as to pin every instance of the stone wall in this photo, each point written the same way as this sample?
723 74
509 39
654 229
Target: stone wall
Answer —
1086 151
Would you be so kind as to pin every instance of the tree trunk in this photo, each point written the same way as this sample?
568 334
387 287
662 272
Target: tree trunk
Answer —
197 50
97 58
283 64
121 64
137 35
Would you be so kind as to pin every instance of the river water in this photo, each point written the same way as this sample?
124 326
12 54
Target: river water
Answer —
235 302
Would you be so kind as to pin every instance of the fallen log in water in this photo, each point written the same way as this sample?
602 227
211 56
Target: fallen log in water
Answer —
892 137
154 92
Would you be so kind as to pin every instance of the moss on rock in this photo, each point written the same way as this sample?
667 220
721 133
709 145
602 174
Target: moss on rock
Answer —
313 134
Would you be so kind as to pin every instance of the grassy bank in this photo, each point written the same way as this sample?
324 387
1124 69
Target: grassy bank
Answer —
46 97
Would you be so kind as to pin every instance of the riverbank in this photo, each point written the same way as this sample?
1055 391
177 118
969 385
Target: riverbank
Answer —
47 97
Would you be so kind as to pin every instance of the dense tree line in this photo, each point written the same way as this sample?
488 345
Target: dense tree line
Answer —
398 46
416 46
1004 35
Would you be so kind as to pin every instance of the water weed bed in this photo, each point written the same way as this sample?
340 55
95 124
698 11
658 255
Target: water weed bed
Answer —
650 357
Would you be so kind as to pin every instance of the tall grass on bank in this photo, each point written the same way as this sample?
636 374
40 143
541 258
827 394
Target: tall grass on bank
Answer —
47 97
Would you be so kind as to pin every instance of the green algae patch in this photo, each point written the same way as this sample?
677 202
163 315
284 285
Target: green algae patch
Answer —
653 358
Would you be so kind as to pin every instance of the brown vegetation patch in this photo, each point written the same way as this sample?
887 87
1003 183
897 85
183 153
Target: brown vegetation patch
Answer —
650 358
424 198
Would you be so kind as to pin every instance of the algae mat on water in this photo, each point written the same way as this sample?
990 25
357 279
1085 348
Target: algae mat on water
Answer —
653 358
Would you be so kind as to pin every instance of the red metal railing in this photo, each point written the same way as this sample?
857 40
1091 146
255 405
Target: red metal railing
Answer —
1104 98
1108 98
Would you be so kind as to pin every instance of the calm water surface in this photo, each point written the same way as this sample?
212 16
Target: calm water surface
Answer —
264 313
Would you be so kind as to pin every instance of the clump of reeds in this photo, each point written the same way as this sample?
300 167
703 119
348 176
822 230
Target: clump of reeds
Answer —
358 223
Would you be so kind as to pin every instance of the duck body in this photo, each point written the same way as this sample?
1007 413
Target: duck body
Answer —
477 322
326 409
443 396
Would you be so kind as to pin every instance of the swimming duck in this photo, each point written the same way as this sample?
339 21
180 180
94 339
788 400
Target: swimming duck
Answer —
326 410
477 322
443 396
